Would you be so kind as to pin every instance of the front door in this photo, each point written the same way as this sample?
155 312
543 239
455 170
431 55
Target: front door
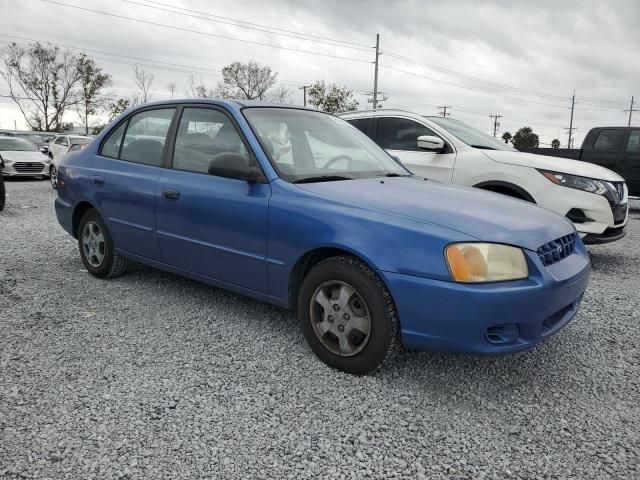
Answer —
399 136
629 162
209 225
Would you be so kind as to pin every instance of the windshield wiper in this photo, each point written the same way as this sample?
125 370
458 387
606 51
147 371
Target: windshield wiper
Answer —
322 178
483 147
393 174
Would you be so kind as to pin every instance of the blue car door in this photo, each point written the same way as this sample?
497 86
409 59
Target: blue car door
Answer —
125 180
209 225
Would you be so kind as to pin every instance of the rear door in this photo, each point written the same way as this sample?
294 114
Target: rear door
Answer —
125 180
399 136
604 149
209 225
629 161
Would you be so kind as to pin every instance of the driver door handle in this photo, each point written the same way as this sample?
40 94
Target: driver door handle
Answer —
170 194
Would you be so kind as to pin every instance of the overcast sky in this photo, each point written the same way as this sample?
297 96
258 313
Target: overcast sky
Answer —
520 59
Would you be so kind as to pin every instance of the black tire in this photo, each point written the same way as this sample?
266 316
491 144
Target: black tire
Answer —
3 194
112 264
53 177
384 335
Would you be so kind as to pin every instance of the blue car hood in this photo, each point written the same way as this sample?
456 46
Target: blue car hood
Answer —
487 216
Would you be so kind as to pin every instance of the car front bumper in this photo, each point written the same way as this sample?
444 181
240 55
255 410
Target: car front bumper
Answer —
492 318
26 169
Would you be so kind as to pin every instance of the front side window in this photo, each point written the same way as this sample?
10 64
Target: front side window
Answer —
62 141
607 140
16 145
633 144
204 136
146 135
400 133
313 146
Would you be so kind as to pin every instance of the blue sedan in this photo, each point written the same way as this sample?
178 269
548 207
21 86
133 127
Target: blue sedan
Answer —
298 208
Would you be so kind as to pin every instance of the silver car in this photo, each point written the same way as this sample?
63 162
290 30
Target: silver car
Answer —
22 158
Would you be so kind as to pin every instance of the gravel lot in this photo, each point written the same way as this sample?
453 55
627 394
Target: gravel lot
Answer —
154 376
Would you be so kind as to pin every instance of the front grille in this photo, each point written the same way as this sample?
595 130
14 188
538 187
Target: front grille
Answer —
28 167
556 250
619 186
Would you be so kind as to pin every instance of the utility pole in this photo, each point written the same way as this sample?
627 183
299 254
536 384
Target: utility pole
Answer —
496 124
304 93
443 110
573 102
375 77
631 110
15 125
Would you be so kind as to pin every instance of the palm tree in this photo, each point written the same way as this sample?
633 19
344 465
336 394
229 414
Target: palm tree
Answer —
506 136
555 143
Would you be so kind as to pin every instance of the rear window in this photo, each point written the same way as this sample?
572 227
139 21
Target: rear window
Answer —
633 144
362 124
607 140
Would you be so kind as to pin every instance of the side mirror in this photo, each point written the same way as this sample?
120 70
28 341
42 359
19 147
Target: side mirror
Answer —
233 165
430 143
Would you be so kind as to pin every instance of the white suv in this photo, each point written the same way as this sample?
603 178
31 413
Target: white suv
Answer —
594 198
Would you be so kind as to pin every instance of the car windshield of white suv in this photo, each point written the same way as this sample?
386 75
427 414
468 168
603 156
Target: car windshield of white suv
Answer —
472 137
306 146
16 145
80 140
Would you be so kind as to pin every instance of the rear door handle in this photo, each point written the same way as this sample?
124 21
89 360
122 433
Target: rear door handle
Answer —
170 194
98 180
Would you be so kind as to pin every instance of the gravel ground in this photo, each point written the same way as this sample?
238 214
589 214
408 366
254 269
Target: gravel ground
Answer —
154 376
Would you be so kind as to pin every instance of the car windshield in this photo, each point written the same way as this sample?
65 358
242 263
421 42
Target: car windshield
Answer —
16 145
35 139
80 140
307 146
470 136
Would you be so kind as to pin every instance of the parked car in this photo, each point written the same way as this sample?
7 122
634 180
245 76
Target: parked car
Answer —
22 158
3 194
616 148
594 198
55 162
34 138
60 144
243 196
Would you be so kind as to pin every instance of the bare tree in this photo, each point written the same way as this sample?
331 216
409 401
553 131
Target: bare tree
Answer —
197 88
144 81
246 80
41 81
171 86
280 94
91 97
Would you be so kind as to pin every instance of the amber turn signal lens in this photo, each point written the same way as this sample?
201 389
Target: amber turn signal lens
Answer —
485 262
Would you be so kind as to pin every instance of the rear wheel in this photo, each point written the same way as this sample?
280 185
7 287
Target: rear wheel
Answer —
348 316
96 246
53 177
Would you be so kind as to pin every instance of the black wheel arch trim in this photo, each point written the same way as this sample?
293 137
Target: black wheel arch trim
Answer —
512 186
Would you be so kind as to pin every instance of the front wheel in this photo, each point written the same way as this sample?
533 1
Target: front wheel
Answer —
348 316
96 246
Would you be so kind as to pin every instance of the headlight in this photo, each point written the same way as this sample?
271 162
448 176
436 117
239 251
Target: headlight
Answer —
485 262
585 184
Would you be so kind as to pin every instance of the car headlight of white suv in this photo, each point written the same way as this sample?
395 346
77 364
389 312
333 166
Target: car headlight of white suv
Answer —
586 184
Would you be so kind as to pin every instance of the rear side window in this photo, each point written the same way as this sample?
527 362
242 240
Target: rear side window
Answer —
361 124
400 133
111 146
146 135
633 144
607 140
205 136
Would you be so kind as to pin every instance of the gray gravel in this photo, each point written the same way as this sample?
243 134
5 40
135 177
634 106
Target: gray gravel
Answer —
154 376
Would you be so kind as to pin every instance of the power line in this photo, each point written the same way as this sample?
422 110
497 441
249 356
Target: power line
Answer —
250 26
476 79
443 110
182 29
470 88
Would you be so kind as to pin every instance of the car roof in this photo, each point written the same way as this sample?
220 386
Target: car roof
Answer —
230 103
379 111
